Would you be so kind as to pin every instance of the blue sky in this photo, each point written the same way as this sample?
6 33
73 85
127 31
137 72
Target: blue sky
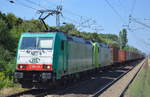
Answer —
79 11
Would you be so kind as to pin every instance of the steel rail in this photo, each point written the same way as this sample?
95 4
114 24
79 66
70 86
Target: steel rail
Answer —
100 91
30 92
122 93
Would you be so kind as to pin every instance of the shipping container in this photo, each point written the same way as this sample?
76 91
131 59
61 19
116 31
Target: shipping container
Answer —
114 53
122 56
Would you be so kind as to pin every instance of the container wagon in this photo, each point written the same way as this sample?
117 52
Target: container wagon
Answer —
114 54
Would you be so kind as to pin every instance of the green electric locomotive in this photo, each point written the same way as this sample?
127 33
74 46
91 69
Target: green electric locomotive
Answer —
45 58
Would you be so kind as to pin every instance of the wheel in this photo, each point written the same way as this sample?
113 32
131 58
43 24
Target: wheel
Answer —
26 86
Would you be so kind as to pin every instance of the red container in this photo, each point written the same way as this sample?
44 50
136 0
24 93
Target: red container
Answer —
122 56
128 56
114 53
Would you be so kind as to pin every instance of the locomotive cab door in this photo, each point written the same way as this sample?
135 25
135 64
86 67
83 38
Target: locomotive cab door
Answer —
64 55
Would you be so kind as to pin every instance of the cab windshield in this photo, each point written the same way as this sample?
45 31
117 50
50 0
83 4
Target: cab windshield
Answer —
37 43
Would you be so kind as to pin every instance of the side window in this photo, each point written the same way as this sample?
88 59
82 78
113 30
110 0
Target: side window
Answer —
62 45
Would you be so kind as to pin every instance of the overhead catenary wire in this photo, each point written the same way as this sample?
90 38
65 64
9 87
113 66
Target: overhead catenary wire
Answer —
68 18
135 20
83 19
133 7
25 5
115 11
52 4
79 24
66 10
132 10
123 7
83 22
32 2
141 41
139 22
28 6
61 2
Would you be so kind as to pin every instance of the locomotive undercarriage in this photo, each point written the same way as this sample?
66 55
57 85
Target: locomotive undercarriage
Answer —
34 79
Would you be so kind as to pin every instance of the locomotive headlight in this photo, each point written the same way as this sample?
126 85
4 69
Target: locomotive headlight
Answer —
48 67
20 67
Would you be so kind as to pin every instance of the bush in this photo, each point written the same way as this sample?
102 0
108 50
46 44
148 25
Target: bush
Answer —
6 73
5 81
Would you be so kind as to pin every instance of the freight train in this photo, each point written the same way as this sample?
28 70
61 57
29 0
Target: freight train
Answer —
45 58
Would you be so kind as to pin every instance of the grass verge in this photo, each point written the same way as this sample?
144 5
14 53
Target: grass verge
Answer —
140 87
11 90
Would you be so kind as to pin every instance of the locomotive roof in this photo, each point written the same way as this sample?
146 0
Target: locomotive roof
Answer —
68 37
71 38
41 34
78 39
103 45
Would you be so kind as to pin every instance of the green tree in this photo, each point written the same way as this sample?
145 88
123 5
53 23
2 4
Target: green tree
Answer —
6 39
67 28
123 38
12 20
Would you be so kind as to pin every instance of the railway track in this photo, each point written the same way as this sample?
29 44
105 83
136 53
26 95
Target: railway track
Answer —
30 93
92 86
111 83
122 93
102 84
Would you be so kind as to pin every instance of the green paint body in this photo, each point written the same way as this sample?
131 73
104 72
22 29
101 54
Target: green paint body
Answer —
69 56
